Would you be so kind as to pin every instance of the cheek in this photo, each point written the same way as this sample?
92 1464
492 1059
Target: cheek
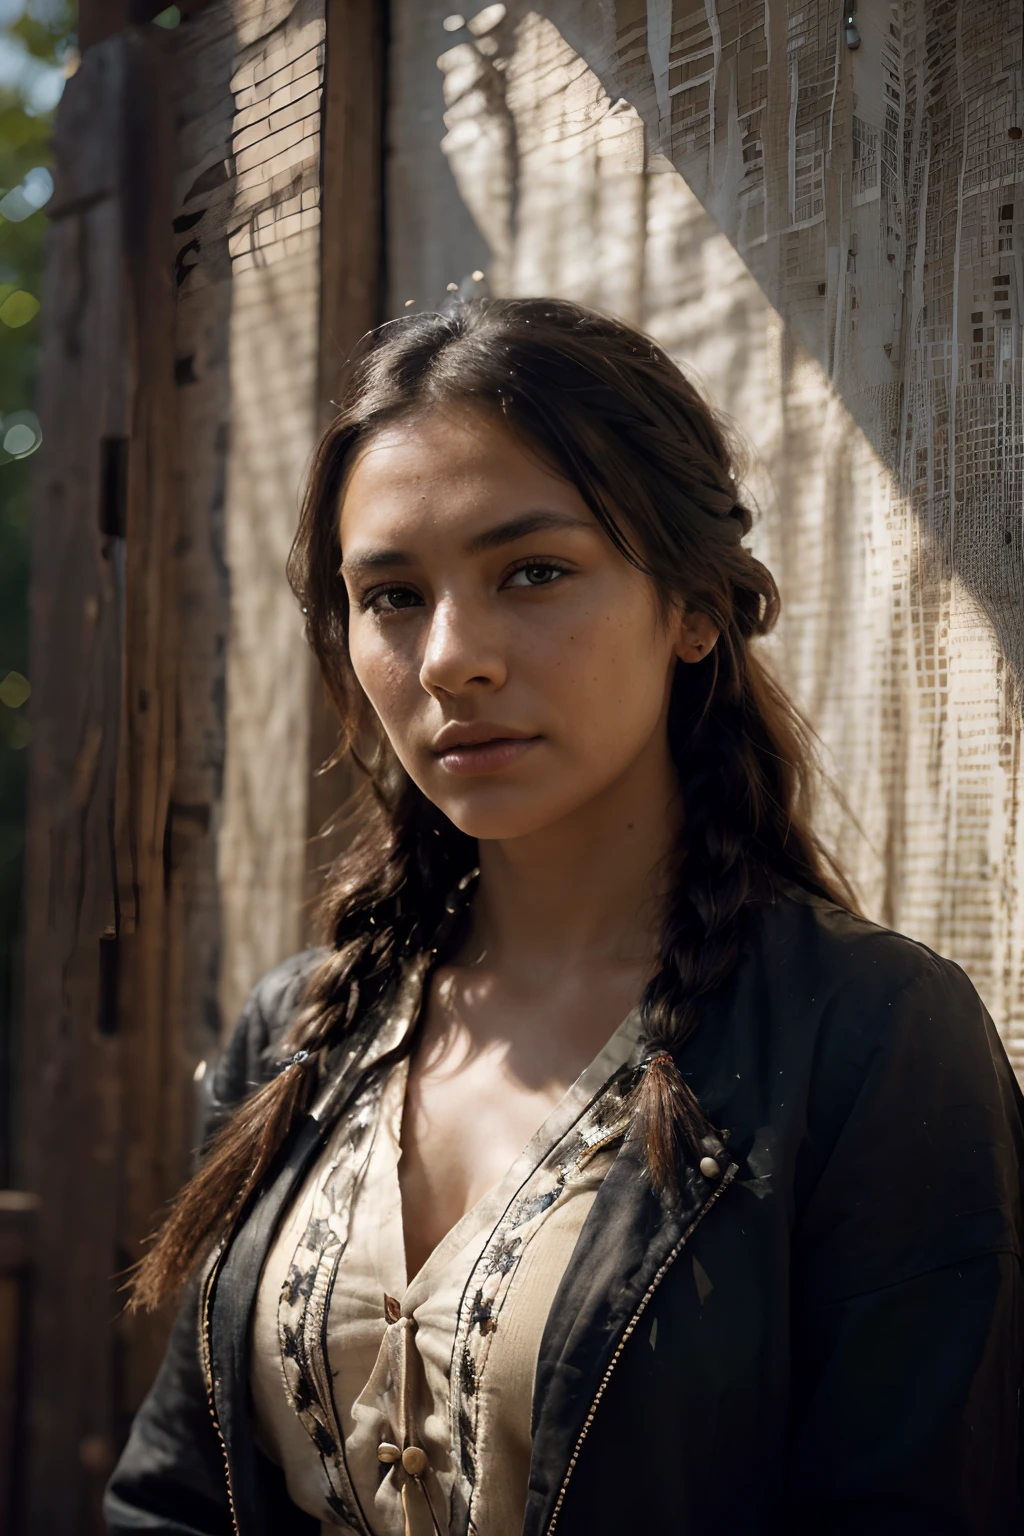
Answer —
608 669
382 672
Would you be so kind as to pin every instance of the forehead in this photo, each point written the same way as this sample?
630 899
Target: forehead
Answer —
446 466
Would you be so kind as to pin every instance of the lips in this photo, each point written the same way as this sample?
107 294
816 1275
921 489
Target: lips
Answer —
481 747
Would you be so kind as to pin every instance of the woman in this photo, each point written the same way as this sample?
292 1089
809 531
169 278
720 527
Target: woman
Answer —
605 1172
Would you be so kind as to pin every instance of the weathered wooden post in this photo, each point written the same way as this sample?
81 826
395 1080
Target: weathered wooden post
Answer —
196 320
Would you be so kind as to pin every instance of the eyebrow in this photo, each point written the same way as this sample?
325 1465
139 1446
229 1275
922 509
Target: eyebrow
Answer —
492 538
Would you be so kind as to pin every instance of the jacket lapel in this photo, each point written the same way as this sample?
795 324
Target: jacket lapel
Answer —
628 1242
229 1311
231 1293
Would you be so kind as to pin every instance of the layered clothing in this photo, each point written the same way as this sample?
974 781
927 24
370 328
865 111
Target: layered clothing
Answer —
821 1330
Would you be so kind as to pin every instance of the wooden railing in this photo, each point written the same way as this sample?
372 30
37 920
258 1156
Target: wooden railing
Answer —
17 1251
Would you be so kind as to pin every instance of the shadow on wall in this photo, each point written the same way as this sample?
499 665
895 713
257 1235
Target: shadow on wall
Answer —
898 651
832 171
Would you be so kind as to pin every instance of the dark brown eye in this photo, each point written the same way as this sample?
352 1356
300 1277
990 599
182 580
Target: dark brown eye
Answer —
538 574
391 599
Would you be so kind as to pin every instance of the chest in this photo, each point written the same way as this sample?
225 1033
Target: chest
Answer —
461 1130
481 1081
442 1361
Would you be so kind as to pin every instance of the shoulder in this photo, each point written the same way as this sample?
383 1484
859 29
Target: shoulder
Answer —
860 989
829 1012
909 1136
812 940
250 1056
888 1058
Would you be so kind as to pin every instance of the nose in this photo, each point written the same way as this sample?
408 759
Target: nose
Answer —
463 651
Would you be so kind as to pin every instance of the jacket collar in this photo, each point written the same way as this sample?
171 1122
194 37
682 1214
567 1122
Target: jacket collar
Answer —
628 1243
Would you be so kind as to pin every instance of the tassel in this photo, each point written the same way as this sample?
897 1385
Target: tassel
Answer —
666 1114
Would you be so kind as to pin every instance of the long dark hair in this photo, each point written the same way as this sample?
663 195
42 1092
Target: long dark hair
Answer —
607 408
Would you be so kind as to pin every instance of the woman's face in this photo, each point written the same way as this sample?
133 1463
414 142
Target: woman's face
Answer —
519 665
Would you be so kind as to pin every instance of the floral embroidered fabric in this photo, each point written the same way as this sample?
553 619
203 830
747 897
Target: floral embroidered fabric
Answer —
352 1359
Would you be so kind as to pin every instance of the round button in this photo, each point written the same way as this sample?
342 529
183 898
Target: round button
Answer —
709 1168
414 1460
388 1453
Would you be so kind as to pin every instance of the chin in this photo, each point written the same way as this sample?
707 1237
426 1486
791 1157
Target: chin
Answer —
494 817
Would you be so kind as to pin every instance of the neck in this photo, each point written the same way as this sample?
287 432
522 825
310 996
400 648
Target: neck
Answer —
587 891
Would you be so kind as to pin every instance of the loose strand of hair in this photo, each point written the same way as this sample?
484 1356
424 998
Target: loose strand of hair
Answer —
237 1162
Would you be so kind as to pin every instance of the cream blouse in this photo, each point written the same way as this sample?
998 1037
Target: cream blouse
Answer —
401 1406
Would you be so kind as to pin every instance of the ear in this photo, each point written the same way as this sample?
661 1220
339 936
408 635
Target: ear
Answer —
696 636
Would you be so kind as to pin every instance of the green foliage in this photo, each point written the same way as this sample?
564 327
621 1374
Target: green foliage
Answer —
46 41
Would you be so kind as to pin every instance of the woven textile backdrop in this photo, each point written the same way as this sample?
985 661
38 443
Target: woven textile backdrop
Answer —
824 236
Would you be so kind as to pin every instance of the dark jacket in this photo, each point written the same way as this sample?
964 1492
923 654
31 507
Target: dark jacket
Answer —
826 1336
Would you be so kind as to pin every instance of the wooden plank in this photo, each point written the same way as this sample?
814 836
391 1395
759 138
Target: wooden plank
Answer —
100 19
155 1128
71 1055
351 302
169 805
351 257
273 355
202 55
103 953
18 1213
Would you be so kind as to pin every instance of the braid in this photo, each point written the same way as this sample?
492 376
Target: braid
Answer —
741 752
392 899
703 926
